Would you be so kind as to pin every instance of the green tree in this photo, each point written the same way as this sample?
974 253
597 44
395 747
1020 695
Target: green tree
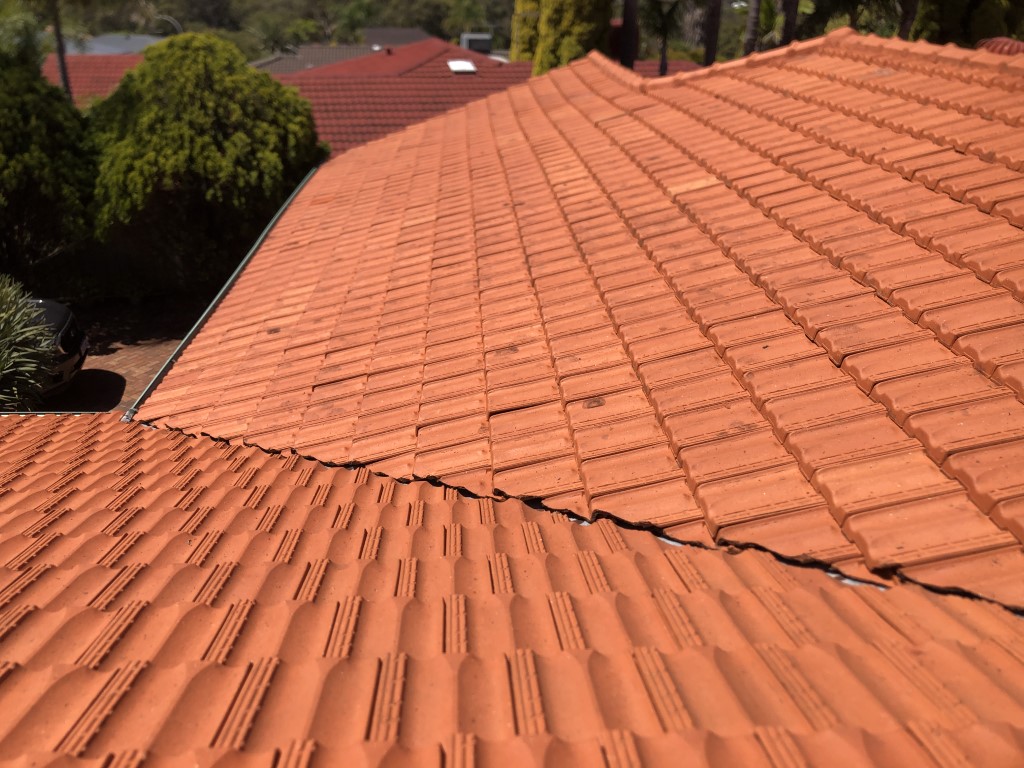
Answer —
352 17
753 26
25 352
525 17
965 22
464 16
568 29
881 17
711 30
197 151
46 169
664 21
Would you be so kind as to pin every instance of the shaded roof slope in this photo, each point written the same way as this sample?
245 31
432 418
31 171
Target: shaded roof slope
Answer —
183 601
370 97
308 56
113 43
93 76
775 302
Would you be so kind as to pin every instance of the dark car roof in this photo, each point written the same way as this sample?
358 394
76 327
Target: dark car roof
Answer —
54 314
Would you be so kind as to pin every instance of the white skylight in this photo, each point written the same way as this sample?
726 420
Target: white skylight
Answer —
462 66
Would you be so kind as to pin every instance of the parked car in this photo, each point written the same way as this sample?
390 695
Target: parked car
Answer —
70 344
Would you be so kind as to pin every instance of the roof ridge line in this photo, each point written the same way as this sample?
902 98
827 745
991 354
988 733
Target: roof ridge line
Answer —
797 46
440 51
893 575
613 69
923 51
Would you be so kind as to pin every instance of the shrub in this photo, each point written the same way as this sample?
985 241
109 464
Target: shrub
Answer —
197 152
25 348
568 30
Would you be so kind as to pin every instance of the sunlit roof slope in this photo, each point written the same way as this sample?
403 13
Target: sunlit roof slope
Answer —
168 600
775 302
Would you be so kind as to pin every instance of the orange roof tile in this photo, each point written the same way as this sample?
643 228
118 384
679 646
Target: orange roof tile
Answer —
180 600
774 302
93 76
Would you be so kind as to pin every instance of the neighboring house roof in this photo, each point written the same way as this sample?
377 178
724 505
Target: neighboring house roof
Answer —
675 67
112 43
363 99
179 600
393 35
1004 45
775 303
309 56
428 58
92 76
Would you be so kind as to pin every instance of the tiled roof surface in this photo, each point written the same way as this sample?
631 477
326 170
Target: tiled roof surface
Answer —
775 302
1004 45
93 76
309 56
370 97
169 600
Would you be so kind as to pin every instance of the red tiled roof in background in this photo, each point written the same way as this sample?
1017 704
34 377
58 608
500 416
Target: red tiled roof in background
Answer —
370 97
775 302
366 98
92 76
1004 45
182 601
425 59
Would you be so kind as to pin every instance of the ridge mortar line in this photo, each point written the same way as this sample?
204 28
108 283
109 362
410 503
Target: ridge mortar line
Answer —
729 548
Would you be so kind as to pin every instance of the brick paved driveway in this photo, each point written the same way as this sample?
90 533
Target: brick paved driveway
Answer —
128 347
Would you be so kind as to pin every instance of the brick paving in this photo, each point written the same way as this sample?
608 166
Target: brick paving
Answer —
128 346
138 363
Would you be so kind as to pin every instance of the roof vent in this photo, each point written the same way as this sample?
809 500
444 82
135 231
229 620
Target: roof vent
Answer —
462 66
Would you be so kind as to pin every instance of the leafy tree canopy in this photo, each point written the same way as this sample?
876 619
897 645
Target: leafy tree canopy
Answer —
525 18
965 22
568 29
46 168
198 151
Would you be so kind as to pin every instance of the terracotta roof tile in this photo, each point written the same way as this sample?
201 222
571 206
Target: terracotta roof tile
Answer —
180 599
93 76
769 303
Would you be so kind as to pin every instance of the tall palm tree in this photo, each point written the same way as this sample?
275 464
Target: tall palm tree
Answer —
908 12
790 9
712 23
662 18
53 11
753 25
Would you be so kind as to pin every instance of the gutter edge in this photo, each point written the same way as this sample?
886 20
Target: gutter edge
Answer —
130 413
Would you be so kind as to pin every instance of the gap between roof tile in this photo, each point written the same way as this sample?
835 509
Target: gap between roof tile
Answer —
850 577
